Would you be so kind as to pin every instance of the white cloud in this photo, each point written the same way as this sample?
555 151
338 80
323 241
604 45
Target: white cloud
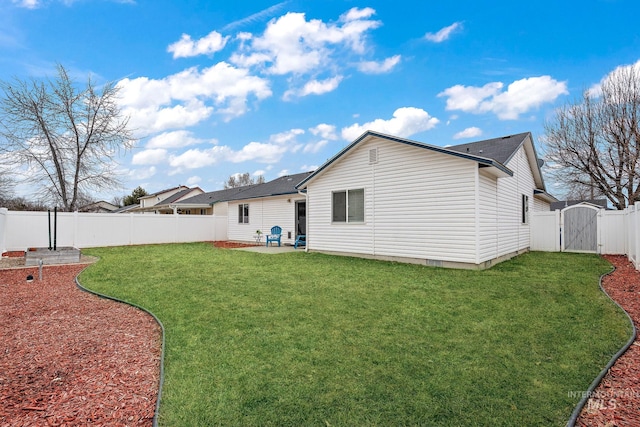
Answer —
139 174
520 97
355 14
174 139
405 122
150 157
373 67
471 132
28 4
314 147
325 131
186 47
596 89
255 17
287 137
308 168
283 172
291 44
469 98
269 153
314 87
193 180
190 96
259 152
444 33
196 158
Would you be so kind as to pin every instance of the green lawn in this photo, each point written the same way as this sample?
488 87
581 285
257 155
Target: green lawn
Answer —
310 339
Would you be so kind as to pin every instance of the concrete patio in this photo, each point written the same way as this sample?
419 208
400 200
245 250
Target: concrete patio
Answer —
271 249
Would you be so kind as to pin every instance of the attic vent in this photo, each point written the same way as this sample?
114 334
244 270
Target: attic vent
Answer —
373 156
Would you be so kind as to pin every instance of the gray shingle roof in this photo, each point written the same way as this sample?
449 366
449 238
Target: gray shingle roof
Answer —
499 149
279 186
175 196
215 196
561 204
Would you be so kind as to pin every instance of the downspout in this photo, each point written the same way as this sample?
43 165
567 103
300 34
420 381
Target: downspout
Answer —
306 207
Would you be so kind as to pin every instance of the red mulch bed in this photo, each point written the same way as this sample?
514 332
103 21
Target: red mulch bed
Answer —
69 358
616 401
232 245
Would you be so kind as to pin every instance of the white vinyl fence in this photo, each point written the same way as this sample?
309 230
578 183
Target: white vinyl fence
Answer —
22 230
618 232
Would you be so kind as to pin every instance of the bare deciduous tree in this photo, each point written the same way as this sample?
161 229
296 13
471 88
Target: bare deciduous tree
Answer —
240 180
594 143
67 138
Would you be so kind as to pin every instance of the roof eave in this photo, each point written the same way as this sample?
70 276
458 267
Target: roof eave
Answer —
543 195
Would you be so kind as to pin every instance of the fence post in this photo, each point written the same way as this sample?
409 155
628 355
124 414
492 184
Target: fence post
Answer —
636 236
558 231
75 229
3 227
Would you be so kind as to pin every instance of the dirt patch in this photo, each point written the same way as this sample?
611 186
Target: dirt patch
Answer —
616 401
71 358
233 245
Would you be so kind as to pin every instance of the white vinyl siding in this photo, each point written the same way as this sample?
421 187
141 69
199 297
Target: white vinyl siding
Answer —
540 205
264 214
513 235
488 217
418 204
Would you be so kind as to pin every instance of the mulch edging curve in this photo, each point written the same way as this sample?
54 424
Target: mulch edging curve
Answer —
611 400
156 412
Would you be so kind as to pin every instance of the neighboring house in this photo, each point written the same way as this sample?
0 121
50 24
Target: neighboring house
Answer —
393 198
126 209
256 207
163 202
99 207
263 206
566 203
211 203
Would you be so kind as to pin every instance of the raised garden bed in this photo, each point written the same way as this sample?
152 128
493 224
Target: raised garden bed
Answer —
63 255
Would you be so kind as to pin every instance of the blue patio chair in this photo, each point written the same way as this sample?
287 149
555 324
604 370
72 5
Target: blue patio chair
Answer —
301 240
276 234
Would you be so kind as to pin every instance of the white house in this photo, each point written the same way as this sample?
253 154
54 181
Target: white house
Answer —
162 202
263 206
254 207
392 198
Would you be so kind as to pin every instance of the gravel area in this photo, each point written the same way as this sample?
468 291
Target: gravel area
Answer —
69 358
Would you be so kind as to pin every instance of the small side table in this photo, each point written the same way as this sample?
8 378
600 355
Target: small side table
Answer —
258 238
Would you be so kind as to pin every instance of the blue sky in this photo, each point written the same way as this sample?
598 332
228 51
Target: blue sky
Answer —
273 88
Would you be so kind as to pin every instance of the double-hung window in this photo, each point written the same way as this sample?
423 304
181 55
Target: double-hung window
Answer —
347 206
243 213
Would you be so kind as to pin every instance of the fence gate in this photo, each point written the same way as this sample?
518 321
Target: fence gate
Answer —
580 228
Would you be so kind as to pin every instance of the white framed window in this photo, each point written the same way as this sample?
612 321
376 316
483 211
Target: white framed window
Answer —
347 206
525 209
243 213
